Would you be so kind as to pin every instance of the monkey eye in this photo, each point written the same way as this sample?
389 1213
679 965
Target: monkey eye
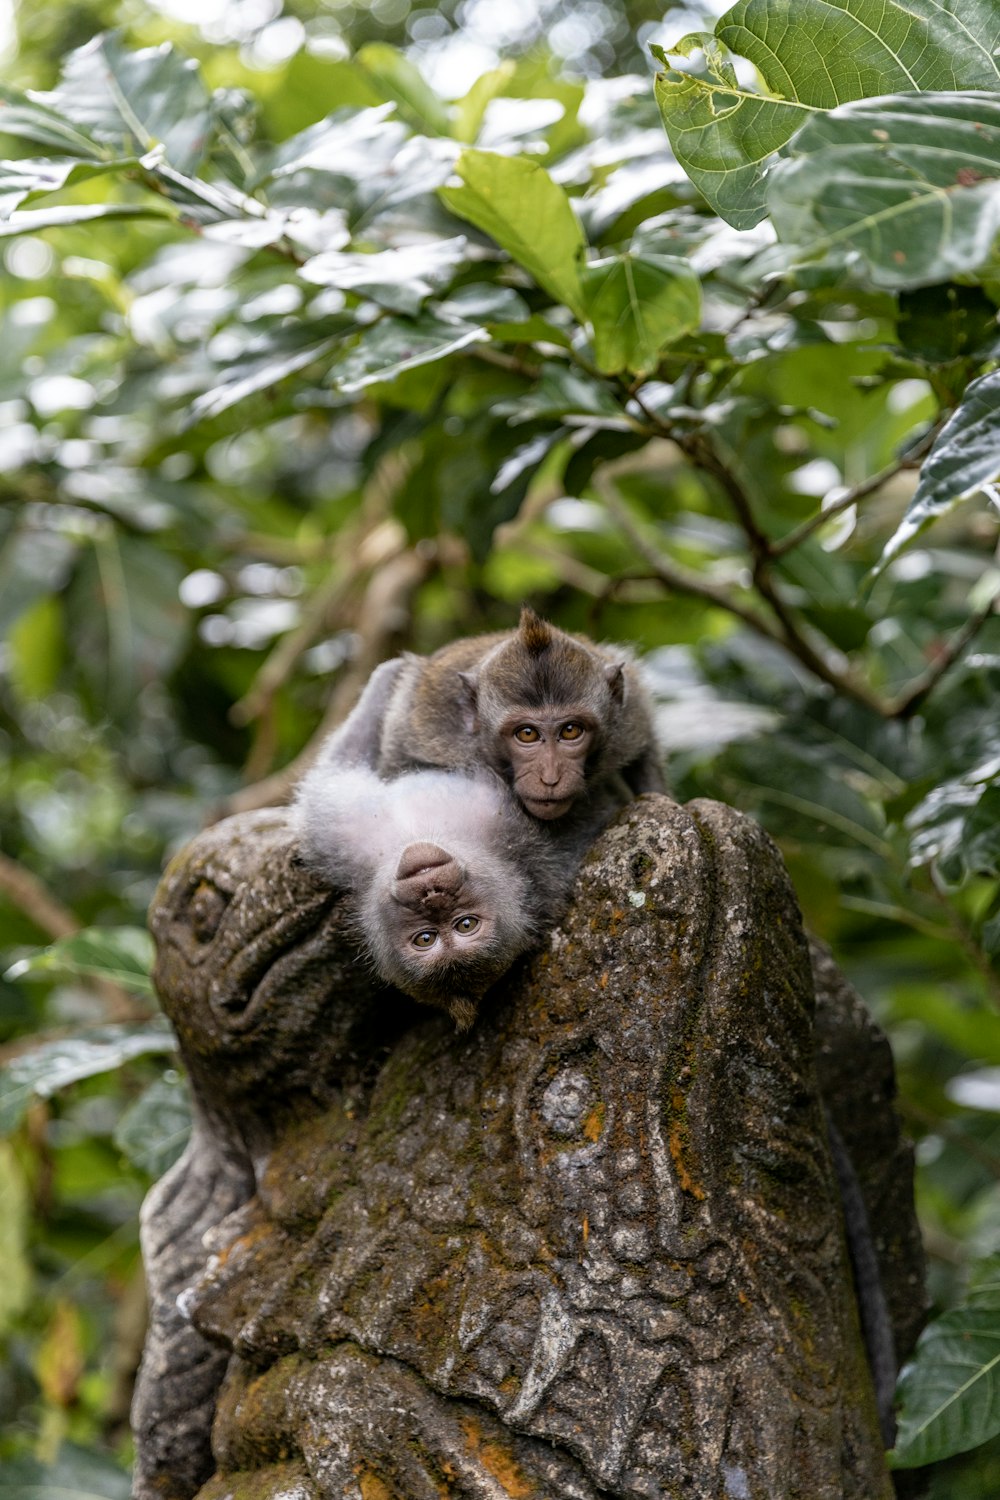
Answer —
527 734
425 939
571 731
466 925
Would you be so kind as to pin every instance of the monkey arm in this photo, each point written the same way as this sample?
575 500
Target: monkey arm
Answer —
358 740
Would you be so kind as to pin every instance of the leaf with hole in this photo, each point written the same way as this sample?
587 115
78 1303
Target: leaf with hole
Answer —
810 57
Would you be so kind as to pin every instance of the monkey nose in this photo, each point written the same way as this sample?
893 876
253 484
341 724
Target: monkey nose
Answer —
417 857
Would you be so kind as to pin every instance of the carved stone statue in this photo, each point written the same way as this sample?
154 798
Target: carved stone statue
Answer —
591 1248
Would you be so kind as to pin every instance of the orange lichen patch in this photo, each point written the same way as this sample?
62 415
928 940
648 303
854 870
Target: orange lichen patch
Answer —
602 983
585 1226
372 1487
678 1144
594 1123
498 1462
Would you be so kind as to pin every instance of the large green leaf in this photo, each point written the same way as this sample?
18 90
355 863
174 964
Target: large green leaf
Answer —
54 1065
811 55
399 279
267 361
516 202
964 460
62 215
910 183
637 305
950 1393
23 180
154 1130
395 345
31 121
397 78
123 955
75 1475
133 101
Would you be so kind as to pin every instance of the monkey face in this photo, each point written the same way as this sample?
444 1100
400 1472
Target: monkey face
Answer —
439 930
548 752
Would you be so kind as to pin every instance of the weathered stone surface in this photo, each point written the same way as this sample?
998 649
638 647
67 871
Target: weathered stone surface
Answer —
591 1248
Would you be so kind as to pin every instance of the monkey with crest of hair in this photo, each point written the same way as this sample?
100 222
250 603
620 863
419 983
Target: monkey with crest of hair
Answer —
562 720
519 739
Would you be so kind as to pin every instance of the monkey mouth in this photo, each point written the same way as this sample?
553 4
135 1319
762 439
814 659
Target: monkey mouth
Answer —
547 808
416 859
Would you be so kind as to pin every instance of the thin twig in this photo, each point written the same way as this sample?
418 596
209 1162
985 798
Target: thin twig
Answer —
907 703
912 459
682 580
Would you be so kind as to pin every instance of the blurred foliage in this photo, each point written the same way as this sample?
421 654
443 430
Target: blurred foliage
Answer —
302 359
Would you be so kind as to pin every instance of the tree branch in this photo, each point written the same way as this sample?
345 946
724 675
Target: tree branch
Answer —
907 702
24 890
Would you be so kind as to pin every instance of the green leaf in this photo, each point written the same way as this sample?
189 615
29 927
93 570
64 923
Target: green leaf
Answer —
76 1475
397 78
154 1130
964 460
32 121
54 1065
36 644
400 279
267 361
941 323
27 178
563 393
516 203
811 56
15 1284
30 221
950 1394
123 955
393 345
133 101
908 183
638 305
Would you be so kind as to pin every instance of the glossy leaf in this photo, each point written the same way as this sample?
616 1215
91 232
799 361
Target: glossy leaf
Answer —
964 460
123 955
637 306
31 120
75 1475
909 184
133 101
154 1130
61 216
267 362
54 1065
400 280
396 77
950 1394
394 345
26 179
517 204
811 56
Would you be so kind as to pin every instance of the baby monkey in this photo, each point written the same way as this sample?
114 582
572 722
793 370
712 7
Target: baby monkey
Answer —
561 719
449 880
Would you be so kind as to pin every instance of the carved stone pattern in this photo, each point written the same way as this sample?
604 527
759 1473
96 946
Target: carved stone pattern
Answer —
591 1248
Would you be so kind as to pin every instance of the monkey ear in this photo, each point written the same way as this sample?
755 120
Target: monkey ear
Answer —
468 698
614 674
535 633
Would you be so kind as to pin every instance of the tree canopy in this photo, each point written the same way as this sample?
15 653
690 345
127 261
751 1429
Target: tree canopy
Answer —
303 360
